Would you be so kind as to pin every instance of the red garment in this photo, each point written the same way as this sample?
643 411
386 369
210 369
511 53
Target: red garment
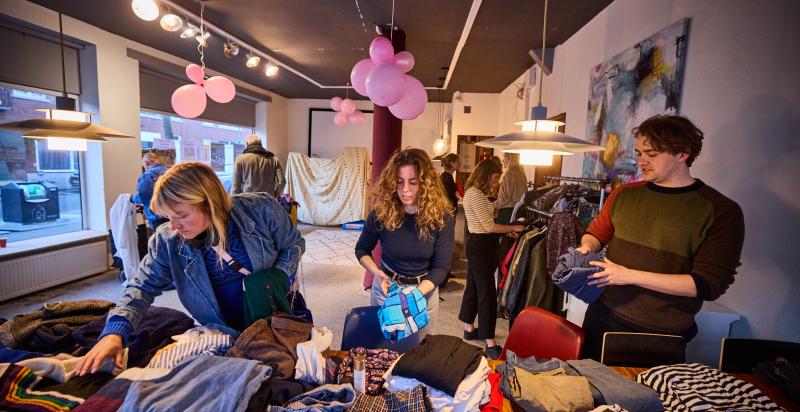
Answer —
495 397
506 263
460 189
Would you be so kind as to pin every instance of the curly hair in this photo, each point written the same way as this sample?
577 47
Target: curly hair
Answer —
433 206
672 134
481 174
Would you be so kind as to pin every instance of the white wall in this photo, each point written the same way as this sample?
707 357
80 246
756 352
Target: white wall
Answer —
483 119
418 133
740 88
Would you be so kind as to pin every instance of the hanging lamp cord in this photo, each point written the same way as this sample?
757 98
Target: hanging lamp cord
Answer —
544 36
61 36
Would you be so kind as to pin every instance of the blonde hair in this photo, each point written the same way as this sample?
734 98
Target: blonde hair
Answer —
481 175
432 204
196 184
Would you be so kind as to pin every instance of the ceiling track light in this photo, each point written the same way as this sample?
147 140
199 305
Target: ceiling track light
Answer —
190 31
203 38
252 60
271 69
146 10
230 49
171 22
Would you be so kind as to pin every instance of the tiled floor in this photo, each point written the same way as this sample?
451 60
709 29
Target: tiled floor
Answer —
331 246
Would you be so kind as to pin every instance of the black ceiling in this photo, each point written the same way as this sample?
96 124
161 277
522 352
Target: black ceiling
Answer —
324 38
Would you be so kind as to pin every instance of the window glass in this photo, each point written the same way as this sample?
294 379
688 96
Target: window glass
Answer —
40 189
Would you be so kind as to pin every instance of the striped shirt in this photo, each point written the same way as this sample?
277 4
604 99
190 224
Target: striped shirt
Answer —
478 211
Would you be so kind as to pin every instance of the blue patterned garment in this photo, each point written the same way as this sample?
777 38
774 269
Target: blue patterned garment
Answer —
403 313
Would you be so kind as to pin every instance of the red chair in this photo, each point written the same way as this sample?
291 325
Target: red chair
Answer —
537 332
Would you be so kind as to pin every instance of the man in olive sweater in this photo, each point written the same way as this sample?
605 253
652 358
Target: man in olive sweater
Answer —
673 241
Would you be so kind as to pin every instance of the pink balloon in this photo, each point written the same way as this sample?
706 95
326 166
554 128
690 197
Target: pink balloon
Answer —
220 89
195 73
348 106
357 118
336 104
381 51
404 61
189 100
340 119
358 76
385 85
412 105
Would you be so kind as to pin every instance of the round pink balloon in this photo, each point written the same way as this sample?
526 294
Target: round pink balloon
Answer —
348 106
340 119
189 100
385 85
220 89
358 76
336 104
195 73
412 105
404 61
357 118
381 51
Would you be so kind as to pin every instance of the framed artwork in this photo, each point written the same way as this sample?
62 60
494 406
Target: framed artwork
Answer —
625 90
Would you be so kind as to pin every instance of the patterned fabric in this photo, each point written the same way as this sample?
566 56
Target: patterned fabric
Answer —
326 398
198 341
378 361
564 231
403 313
17 392
697 387
415 400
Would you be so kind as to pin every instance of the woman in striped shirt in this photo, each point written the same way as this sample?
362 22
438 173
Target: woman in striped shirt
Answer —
480 295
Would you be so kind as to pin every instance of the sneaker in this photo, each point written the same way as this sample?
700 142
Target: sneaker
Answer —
471 335
493 352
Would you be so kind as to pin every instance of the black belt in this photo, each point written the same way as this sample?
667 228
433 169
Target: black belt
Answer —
406 280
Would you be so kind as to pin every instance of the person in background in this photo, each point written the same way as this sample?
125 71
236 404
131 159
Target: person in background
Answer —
451 163
480 295
257 170
153 169
211 240
513 185
673 241
412 218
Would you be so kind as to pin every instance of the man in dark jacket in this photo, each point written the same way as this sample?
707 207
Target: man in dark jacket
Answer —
257 170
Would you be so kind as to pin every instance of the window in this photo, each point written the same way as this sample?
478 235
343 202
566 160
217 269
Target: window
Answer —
176 140
40 189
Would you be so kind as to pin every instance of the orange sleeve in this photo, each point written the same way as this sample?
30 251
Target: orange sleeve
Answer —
601 226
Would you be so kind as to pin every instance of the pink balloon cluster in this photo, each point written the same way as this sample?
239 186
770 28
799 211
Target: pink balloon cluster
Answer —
382 78
190 100
346 112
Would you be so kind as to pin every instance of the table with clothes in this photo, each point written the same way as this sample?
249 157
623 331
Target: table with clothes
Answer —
285 363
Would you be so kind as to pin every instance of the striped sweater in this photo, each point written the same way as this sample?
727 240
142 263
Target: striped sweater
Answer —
478 210
691 230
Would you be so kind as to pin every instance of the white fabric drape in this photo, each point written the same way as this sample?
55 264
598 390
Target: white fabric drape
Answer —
123 229
329 191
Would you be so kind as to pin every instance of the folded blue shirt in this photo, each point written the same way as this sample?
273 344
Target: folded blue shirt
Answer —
572 275
403 313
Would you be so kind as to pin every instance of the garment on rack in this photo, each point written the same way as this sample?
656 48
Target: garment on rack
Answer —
310 365
532 287
505 264
61 367
377 362
519 265
495 403
414 400
200 340
615 389
439 361
213 383
123 229
153 333
694 386
326 398
546 393
47 329
273 343
276 391
473 391
587 211
572 275
564 231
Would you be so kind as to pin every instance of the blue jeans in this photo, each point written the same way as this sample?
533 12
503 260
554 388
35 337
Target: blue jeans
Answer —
377 297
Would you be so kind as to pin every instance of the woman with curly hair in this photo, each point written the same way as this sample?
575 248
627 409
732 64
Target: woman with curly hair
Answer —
412 219
480 295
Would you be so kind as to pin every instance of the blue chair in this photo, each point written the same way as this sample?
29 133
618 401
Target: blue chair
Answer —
362 329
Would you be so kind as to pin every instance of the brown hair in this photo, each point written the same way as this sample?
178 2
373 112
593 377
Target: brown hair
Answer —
672 134
432 204
448 160
482 173
196 184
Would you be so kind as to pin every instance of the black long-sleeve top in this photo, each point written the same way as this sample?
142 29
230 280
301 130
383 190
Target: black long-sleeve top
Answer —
405 252
450 188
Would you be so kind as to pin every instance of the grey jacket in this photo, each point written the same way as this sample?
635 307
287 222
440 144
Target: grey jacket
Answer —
257 170
270 238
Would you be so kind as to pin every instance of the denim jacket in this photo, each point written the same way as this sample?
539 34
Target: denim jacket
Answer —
144 190
270 238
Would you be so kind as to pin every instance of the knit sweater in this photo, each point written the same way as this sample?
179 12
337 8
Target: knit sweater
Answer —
691 230
513 184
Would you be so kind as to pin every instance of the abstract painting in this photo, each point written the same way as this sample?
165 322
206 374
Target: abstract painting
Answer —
632 86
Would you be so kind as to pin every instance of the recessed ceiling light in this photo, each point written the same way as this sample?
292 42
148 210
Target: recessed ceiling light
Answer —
145 9
171 22
271 69
252 60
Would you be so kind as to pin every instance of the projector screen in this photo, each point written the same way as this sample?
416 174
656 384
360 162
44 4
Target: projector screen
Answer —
326 140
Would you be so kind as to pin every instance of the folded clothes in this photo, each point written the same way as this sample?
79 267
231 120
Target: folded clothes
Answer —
440 362
495 403
532 365
273 343
310 365
403 313
276 391
61 367
415 400
16 355
200 340
545 393
22 390
572 275
110 397
615 389
376 363
326 398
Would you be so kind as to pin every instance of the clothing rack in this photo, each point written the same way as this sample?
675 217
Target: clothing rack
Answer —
599 182
541 212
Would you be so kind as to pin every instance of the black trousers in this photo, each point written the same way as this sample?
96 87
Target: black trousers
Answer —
480 295
599 319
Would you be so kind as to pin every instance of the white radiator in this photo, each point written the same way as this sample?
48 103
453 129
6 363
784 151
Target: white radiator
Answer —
27 274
